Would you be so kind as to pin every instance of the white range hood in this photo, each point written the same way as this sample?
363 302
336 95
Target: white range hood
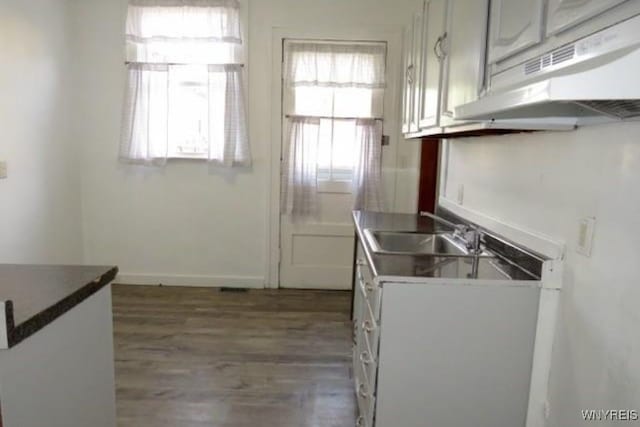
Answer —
596 78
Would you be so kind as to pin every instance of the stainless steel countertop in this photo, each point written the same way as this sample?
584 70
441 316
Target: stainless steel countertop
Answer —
428 266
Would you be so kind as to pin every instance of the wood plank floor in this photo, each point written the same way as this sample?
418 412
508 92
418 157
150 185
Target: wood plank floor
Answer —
191 357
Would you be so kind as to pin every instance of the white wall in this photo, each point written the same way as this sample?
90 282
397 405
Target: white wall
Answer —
185 224
547 182
39 202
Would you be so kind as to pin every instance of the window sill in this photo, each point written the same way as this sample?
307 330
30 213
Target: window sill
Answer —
187 156
336 187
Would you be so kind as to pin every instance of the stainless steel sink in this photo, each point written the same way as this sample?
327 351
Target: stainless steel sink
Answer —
398 242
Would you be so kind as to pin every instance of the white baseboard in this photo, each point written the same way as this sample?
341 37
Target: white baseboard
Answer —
252 282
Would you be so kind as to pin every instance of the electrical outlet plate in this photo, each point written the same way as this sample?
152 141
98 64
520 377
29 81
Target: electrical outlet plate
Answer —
547 409
461 194
586 230
3 169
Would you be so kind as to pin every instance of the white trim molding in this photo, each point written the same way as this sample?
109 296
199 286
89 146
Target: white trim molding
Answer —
392 34
253 282
538 406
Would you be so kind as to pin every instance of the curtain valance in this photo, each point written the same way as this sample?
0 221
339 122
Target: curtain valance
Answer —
336 65
179 3
187 31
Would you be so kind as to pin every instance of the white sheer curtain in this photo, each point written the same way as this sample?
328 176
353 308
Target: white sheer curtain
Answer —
367 179
145 123
162 38
336 64
184 31
340 86
228 139
300 169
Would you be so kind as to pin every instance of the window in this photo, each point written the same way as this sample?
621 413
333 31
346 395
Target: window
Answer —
188 122
338 83
333 98
185 95
336 148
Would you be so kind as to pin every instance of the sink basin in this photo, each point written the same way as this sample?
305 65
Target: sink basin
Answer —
398 242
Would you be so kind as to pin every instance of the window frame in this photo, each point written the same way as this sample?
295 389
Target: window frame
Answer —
325 179
244 24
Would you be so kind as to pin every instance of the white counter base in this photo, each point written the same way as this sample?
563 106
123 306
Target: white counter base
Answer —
63 376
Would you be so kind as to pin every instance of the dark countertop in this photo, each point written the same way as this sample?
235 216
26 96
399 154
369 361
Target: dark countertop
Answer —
427 266
36 295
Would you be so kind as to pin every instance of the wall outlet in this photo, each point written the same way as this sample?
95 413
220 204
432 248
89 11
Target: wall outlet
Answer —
3 169
460 194
586 231
547 409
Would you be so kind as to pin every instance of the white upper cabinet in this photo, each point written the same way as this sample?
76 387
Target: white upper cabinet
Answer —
565 14
515 25
412 84
433 39
416 70
464 48
407 89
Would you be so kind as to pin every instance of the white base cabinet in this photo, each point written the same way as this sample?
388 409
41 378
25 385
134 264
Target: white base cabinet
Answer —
63 375
442 352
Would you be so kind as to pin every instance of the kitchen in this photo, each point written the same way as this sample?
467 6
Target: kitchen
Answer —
563 193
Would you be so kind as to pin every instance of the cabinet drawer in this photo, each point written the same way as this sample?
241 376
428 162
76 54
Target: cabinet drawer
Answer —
370 331
359 342
367 356
364 269
369 360
366 399
370 291
357 349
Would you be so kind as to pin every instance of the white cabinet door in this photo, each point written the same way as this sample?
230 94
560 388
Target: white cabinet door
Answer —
431 70
465 55
412 82
415 71
407 86
515 26
564 14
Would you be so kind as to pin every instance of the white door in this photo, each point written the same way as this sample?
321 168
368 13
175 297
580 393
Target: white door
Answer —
317 253
565 14
431 71
515 26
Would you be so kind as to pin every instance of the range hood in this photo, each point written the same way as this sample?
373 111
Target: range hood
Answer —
594 79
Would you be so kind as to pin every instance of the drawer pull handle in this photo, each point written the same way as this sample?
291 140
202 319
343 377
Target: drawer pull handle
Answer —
365 357
367 326
355 332
360 421
362 391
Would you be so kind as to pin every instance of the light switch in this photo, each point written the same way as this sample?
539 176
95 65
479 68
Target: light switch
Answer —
3 169
586 230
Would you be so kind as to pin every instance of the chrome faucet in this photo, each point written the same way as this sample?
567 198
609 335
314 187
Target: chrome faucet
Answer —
470 236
